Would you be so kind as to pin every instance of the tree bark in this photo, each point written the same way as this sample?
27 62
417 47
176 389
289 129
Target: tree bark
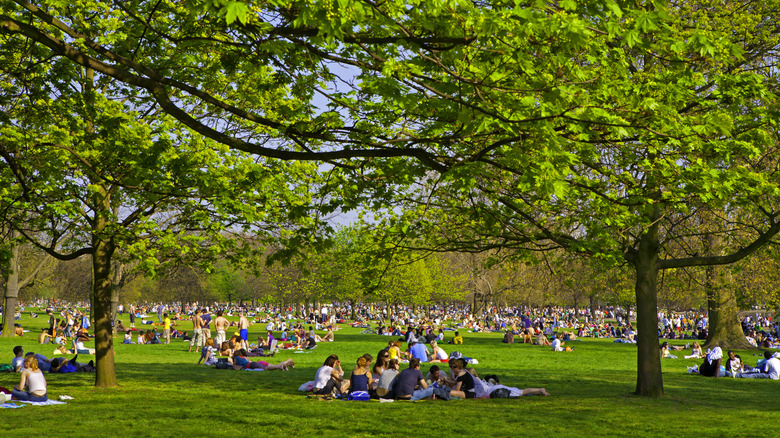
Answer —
725 330
11 296
649 382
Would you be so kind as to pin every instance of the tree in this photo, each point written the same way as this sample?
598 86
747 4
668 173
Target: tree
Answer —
83 167
586 127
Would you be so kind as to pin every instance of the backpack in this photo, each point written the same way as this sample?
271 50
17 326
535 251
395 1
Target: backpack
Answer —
223 364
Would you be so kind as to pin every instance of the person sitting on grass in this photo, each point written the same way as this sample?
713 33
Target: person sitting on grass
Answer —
240 361
329 336
665 351
462 383
457 339
696 352
384 387
32 384
438 354
329 378
410 378
128 337
207 353
557 343
382 358
361 378
770 369
734 365
541 339
711 365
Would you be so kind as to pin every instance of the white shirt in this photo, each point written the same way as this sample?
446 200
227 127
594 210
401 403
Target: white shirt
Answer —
773 368
556 345
322 377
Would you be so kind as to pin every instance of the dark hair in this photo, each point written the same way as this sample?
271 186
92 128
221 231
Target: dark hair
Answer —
414 363
331 360
18 349
460 361
434 368
767 354
368 357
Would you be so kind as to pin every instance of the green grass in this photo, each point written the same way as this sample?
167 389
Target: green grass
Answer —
164 393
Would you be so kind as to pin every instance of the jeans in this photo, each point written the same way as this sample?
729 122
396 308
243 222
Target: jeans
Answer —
26 396
422 393
753 376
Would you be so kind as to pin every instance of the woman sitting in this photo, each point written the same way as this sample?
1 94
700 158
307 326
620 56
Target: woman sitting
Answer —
32 379
665 351
361 379
696 352
462 383
329 378
438 354
380 366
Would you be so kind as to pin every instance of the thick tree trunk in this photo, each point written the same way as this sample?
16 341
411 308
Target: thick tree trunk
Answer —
101 290
649 382
725 330
11 295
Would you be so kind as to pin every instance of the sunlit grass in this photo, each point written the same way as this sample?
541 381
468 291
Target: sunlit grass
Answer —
164 393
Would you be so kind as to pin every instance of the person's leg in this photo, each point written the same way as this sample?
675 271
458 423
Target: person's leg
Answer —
535 391
20 395
753 376
328 388
422 393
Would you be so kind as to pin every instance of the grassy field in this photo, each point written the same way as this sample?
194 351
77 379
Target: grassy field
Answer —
164 393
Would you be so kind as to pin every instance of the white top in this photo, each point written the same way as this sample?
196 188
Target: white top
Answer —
556 345
36 381
322 377
773 368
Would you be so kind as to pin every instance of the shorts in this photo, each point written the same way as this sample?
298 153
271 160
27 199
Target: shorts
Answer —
244 334
166 333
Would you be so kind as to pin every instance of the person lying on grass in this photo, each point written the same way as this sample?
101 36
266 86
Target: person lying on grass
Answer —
240 362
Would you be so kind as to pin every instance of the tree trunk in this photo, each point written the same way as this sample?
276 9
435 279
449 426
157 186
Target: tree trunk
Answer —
11 296
724 331
649 382
102 297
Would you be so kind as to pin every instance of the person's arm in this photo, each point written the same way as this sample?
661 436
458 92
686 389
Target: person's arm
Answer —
23 380
423 384
717 367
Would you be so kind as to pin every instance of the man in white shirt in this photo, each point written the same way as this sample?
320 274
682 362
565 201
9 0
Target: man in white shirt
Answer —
771 369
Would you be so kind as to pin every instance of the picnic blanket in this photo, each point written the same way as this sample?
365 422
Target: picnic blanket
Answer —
13 405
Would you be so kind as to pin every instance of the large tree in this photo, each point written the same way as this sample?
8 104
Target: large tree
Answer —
524 126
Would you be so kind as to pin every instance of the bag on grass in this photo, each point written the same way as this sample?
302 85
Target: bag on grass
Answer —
359 396
223 364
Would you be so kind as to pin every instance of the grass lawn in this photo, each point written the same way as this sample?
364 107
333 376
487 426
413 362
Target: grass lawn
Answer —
164 393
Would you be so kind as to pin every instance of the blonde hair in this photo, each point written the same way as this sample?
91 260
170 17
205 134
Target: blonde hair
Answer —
210 342
362 362
31 362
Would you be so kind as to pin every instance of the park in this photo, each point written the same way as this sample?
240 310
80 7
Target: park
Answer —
481 154
163 391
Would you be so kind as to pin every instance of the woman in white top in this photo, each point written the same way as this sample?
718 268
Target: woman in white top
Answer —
33 380
438 353
330 377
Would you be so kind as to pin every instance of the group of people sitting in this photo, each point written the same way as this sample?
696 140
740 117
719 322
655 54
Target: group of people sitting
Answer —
232 355
713 366
32 385
385 380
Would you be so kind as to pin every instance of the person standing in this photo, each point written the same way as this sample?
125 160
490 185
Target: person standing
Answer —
167 328
221 324
197 331
206 324
132 316
243 330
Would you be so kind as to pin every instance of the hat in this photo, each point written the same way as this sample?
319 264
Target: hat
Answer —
456 355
